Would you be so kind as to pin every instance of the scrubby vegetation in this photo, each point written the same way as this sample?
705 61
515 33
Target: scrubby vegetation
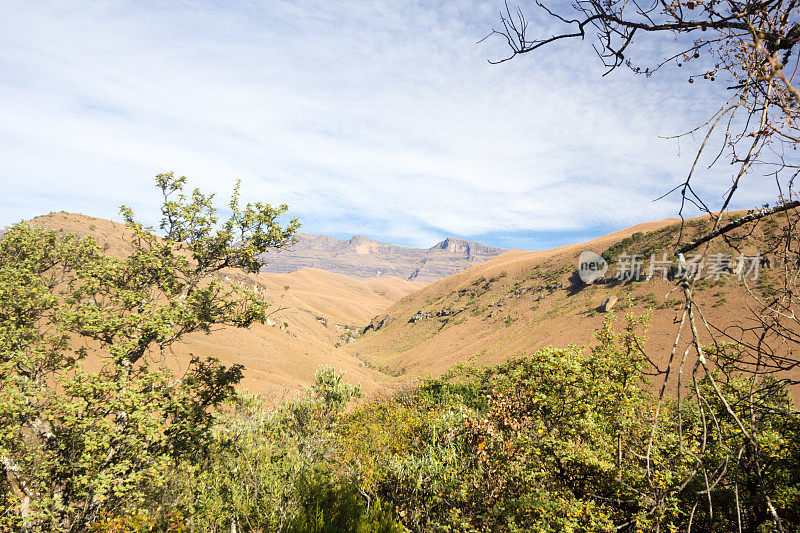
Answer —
560 440
656 242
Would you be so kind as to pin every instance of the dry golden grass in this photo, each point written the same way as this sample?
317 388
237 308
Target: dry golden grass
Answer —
499 322
317 309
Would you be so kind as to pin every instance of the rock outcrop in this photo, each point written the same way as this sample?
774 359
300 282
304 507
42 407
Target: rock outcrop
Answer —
377 323
608 304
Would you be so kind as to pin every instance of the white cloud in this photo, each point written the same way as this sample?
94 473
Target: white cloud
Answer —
382 118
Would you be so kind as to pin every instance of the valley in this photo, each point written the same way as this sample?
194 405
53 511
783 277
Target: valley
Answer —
387 333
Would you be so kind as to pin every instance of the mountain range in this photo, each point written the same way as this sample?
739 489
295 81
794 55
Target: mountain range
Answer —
363 258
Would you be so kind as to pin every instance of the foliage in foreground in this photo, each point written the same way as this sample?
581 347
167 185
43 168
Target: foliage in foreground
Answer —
554 441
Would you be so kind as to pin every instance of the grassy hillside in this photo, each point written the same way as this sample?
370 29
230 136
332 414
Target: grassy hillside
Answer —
521 302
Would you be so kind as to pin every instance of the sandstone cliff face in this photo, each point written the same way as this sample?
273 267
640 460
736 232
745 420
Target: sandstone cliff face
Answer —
364 258
361 245
472 250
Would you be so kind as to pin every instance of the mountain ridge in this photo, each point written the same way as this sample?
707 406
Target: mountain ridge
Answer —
364 258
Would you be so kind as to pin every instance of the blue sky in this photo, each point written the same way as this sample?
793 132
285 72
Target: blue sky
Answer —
380 118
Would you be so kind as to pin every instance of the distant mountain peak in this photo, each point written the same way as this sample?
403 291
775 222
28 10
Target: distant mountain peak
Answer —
362 245
363 257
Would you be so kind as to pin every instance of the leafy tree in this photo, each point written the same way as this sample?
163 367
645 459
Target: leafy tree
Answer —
323 402
90 419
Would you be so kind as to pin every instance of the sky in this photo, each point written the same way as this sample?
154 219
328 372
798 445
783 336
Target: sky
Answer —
382 118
